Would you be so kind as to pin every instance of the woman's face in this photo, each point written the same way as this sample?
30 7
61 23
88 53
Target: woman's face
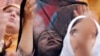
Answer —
49 41
83 35
13 18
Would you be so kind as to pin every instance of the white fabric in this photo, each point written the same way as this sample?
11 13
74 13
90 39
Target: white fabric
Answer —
67 48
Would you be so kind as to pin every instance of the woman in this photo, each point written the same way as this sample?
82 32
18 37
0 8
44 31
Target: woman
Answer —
82 38
25 47
51 44
9 28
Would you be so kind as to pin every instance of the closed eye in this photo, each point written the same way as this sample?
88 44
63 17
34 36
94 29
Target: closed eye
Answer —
8 11
43 37
73 32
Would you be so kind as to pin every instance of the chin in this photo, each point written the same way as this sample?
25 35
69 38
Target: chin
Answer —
10 24
12 28
53 47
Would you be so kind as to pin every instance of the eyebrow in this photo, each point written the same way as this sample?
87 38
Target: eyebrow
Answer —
76 22
44 33
51 34
73 30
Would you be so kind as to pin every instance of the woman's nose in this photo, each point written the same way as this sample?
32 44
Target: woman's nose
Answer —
12 14
50 37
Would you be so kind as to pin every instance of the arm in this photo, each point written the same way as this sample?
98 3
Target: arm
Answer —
26 43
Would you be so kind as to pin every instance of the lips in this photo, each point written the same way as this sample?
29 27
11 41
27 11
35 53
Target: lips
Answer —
51 42
11 19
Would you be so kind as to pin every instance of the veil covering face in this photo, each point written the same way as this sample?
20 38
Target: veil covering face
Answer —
67 48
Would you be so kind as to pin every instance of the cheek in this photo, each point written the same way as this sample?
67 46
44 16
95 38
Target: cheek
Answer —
43 42
18 20
79 37
17 23
73 42
6 16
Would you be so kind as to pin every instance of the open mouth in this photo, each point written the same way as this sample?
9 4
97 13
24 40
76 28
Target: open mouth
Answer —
50 43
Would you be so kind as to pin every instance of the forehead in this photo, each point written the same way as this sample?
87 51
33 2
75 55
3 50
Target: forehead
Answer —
48 33
85 25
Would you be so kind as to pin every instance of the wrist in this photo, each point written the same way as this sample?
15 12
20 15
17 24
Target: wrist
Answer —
28 22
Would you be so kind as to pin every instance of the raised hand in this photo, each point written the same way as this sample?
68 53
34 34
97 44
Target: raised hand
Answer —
81 10
84 10
26 42
29 10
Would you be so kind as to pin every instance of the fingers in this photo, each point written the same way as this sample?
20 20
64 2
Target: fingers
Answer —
29 4
81 10
29 10
76 13
8 43
85 9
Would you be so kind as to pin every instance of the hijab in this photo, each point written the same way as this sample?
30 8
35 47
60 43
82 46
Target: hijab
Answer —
67 48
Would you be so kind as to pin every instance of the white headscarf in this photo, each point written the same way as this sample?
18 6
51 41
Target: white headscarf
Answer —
67 48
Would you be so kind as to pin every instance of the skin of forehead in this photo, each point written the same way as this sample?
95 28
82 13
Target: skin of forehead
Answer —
48 32
86 20
86 23
89 22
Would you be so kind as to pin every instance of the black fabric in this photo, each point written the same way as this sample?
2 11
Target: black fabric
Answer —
3 52
47 1
66 2
21 18
64 16
52 2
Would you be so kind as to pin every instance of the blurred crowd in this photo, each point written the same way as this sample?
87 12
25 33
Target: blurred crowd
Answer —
50 28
